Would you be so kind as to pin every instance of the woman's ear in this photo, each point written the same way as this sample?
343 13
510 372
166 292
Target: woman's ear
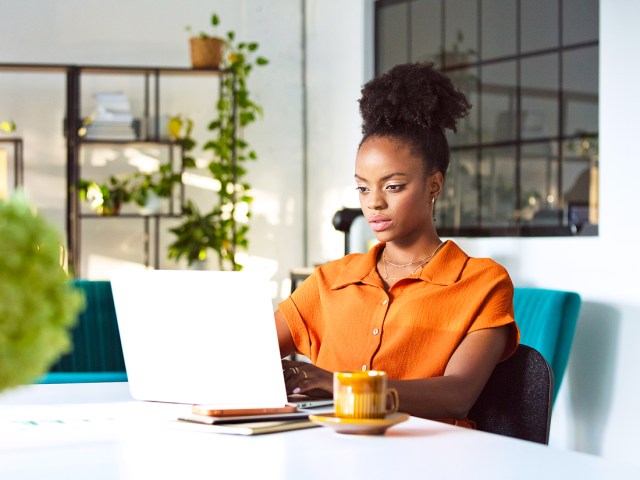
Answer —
435 185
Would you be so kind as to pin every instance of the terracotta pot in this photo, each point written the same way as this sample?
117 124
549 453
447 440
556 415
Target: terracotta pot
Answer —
206 52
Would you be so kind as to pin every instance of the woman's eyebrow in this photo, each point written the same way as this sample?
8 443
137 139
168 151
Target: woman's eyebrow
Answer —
386 177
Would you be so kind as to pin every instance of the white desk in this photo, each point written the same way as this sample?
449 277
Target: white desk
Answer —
82 431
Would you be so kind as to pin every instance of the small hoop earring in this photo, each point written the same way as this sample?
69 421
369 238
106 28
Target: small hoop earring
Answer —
433 200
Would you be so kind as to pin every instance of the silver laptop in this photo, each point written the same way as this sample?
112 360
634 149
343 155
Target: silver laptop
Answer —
199 337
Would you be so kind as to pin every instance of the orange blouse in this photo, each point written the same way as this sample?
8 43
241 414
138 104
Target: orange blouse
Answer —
342 318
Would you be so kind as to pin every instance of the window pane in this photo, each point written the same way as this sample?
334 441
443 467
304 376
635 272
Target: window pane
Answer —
580 19
498 28
426 31
580 182
392 36
539 116
466 80
497 187
580 85
539 191
458 206
539 20
461 32
498 102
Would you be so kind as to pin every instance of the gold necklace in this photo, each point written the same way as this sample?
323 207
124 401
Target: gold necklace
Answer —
421 263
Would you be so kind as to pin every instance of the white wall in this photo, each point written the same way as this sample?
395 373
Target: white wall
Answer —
152 33
335 73
597 407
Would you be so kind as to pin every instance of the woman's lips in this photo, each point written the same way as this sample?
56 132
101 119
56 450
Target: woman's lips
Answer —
379 223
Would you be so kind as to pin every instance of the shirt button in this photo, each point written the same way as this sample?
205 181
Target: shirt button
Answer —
385 301
376 331
364 368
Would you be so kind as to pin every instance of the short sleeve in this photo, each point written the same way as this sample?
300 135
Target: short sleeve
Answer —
497 308
299 311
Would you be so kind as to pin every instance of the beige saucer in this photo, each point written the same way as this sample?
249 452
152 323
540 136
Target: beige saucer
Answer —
359 426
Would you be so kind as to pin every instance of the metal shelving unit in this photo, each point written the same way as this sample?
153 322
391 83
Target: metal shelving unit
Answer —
74 142
18 161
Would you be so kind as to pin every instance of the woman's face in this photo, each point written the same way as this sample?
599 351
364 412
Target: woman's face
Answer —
395 191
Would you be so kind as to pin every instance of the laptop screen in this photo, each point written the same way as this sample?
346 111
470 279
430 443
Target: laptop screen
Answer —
199 337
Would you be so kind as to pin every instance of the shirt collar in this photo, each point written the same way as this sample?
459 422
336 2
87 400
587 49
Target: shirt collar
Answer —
360 268
444 269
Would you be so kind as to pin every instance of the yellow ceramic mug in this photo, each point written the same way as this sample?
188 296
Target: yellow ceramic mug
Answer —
363 395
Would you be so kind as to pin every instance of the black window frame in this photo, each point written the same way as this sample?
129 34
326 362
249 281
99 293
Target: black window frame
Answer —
569 222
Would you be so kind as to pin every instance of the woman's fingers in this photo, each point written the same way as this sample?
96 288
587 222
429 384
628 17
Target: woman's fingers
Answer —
305 378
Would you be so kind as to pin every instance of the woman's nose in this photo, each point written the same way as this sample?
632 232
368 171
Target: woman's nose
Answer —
376 200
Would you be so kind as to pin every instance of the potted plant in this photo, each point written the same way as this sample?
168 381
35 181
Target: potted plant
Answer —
226 222
198 233
206 50
38 305
108 197
147 188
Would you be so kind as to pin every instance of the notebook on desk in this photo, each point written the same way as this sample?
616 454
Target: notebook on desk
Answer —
199 337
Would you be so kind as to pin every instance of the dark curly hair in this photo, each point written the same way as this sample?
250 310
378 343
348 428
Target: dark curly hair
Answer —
414 103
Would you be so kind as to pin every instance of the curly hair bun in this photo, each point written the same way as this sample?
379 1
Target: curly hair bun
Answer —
413 95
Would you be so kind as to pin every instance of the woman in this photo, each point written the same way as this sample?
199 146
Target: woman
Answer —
436 320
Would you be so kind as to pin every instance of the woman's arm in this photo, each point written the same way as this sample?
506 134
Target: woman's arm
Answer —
285 340
449 396
300 377
453 394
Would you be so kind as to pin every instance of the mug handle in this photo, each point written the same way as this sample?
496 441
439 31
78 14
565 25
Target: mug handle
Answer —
395 401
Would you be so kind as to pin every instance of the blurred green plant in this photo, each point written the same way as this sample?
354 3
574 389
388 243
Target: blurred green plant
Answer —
38 305
160 183
106 198
7 126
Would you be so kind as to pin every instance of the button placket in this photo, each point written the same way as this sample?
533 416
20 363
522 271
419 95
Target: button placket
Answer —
376 330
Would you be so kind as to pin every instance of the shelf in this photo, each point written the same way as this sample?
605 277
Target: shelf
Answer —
109 69
92 141
136 216
74 142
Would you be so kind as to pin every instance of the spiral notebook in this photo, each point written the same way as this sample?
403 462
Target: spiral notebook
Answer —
199 337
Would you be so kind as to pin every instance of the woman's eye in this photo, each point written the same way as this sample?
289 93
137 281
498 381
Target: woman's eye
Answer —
362 189
395 187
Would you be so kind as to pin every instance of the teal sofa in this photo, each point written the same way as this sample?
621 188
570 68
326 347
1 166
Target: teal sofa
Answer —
96 355
547 321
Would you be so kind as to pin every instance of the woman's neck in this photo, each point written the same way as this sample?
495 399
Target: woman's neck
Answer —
408 252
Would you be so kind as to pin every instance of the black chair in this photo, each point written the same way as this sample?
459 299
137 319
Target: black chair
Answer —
518 397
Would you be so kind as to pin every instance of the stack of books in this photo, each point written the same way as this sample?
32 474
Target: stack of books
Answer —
112 118
254 421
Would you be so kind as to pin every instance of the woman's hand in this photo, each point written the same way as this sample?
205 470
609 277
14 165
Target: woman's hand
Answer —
306 379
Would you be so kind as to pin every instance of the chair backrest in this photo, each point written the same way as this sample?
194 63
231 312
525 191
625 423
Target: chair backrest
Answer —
96 353
517 399
547 321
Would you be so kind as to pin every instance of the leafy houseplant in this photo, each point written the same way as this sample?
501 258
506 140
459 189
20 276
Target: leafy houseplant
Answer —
159 184
38 305
206 50
226 222
106 198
